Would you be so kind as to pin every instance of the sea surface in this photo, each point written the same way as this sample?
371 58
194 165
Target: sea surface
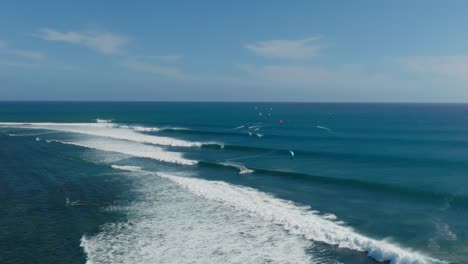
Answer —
102 182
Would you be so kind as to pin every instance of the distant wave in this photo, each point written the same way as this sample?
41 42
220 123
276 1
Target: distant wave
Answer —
355 157
129 143
322 137
199 132
132 149
107 130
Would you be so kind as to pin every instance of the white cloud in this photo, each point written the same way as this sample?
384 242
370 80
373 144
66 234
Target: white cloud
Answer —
28 54
100 41
287 49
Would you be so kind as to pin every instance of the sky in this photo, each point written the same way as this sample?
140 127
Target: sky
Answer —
305 51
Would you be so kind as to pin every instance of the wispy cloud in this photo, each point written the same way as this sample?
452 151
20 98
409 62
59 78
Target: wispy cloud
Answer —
11 63
449 66
154 68
307 78
162 58
287 49
289 73
103 42
28 54
33 55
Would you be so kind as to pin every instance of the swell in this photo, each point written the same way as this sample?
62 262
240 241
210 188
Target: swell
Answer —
338 138
147 151
199 132
455 200
353 157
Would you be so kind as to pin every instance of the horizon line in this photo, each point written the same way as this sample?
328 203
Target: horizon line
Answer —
200 101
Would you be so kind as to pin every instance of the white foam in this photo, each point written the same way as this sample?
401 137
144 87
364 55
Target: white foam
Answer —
444 232
297 219
245 170
107 130
145 129
259 135
132 149
98 120
126 167
176 128
242 169
324 128
167 224
330 216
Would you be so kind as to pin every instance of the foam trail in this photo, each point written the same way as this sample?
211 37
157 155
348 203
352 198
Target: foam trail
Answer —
29 135
132 149
98 120
298 220
145 129
126 167
153 129
138 128
107 130
324 128
239 127
242 169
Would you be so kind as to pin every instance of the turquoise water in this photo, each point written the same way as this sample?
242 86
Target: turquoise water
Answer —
215 183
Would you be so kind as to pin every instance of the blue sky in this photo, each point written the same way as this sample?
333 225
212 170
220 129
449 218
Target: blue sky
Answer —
377 51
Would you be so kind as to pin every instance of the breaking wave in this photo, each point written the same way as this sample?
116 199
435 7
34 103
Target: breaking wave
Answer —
253 204
299 220
108 130
132 149
167 224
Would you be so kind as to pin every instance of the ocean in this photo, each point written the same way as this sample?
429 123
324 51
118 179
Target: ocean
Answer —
167 182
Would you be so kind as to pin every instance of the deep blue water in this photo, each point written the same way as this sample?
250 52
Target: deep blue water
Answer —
365 179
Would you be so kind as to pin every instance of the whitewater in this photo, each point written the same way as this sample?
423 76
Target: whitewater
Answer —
221 209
